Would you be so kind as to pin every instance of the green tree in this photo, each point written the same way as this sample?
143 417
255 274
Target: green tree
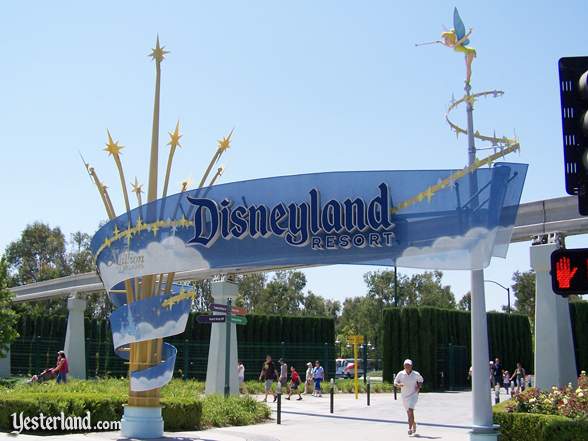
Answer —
523 290
251 288
426 290
203 300
80 256
423 289
283 294
40 254
360 315
8 316
465 303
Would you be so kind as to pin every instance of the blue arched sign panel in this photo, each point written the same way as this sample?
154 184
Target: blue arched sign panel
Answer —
302 220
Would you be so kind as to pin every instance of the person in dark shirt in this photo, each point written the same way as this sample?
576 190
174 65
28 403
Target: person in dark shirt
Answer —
268 375
498 379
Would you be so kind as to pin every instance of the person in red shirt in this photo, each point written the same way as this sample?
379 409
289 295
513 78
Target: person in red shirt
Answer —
294 383
62 368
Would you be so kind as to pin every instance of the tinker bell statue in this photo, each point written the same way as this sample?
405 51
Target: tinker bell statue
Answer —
458 40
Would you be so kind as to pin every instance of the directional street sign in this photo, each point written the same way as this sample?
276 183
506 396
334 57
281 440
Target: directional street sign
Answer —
207 319
355 339
218 308
238 320
223 308
239 311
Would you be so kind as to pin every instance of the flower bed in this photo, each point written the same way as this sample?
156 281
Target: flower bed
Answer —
568 402
552 415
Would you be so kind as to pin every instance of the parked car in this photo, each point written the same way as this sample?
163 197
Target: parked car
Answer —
345 368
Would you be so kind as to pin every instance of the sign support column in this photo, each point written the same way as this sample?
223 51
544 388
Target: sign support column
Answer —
228 348
217 353
482 406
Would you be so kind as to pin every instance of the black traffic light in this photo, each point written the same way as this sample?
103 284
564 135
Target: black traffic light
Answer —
569 271
573 86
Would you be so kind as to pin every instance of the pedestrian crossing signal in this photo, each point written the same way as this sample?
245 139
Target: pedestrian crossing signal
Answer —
569 271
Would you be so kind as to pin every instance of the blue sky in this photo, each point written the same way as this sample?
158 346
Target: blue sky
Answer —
310 86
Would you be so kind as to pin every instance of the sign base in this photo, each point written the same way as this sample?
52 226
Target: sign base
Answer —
483 433
142 422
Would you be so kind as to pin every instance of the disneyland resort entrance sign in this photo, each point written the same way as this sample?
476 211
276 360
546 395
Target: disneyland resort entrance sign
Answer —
367 217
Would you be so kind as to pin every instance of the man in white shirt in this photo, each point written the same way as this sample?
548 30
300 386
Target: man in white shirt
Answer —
410 383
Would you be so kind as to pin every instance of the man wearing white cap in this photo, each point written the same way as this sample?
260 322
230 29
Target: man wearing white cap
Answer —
410 383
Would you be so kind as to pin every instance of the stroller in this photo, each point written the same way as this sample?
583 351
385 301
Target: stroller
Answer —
47 374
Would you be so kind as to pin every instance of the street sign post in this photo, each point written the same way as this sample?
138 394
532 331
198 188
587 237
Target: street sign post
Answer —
356 340
238 320
569 271
236 310
208 319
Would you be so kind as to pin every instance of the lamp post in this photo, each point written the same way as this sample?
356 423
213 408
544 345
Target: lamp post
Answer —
503 287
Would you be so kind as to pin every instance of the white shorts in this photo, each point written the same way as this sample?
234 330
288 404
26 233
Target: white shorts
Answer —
410 402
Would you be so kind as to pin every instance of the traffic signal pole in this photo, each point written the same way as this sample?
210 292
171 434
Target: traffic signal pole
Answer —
555 361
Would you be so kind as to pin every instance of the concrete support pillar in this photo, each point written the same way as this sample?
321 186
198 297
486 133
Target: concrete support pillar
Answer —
215 373
555 360
75 338
483 427
5 364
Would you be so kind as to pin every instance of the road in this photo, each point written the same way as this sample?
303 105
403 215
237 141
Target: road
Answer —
442 416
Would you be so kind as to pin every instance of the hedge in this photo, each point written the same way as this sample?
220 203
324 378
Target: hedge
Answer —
178 414
424 335
537 427
304 339
579 316
183 408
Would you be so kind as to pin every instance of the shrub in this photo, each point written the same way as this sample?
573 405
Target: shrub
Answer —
183 406
567 401
536 427
535 415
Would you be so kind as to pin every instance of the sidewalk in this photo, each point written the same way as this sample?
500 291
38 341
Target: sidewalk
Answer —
442 416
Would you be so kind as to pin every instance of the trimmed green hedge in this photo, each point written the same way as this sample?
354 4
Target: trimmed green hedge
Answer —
579 317
536 427
305 339
178 414
423 333
183 407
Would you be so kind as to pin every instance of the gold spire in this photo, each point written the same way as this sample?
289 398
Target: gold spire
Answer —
174 141
158 53
174 137
225 143
113 148
137 189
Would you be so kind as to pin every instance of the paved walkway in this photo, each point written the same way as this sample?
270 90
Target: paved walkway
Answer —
442 416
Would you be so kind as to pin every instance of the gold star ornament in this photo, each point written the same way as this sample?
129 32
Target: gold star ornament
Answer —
136 187
158 53
225 142
113 148
174 137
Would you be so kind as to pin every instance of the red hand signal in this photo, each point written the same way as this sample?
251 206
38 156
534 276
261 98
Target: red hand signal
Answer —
563 272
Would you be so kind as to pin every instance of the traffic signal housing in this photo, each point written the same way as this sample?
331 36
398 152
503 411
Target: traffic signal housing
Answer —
569 271
573 86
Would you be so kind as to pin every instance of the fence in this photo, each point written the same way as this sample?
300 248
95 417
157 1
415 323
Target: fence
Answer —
33 354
